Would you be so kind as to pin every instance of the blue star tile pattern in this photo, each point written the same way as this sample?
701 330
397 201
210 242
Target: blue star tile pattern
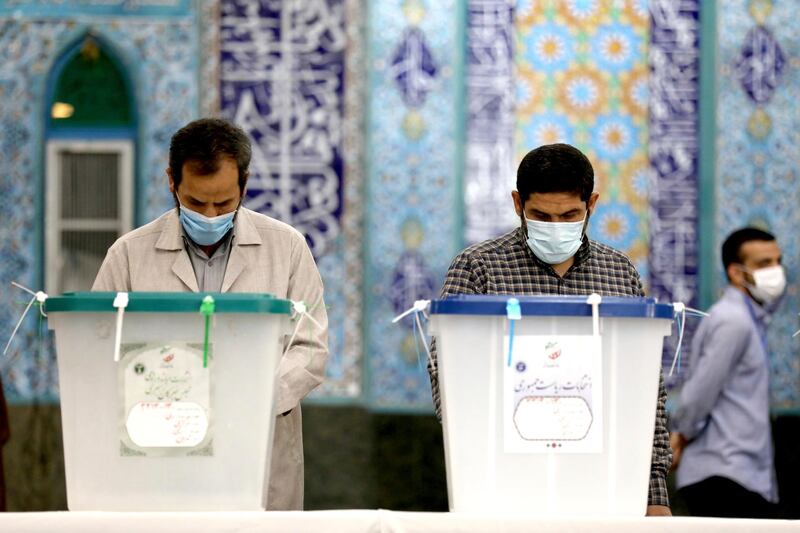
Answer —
549 47
582 70
614 224
615 138
615 48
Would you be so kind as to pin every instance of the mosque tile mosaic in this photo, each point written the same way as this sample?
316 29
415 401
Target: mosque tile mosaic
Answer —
160 55
97 8
758 131
582 78
366 121
352 267
489 173
282 71
283 81
413 184
208 75
673 150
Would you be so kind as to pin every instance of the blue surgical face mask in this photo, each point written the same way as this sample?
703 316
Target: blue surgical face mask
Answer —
555 242
204 230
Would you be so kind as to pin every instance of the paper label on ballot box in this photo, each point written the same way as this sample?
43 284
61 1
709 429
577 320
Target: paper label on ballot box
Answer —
553 394
167 424
166 398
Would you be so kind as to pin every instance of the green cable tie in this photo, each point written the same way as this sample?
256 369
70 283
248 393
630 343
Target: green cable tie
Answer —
40 334
206 309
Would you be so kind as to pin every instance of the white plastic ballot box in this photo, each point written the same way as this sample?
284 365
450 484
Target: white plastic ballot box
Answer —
543 411
183 420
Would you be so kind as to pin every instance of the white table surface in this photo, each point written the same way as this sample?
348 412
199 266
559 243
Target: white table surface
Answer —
368 520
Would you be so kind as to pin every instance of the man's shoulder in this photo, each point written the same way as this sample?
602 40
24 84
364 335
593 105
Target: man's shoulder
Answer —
267 224
729 309
501 245
725 317
144 234
604 253
271 228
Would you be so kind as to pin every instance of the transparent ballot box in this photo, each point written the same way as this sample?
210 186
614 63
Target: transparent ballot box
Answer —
167 399
549 403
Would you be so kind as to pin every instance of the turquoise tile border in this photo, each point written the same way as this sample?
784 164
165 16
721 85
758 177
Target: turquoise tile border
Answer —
708 151
415 147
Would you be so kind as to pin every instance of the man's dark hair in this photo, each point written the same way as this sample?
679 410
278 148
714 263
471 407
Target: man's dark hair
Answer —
204 143
555 168
732 247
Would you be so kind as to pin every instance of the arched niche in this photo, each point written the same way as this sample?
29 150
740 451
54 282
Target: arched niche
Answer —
90 140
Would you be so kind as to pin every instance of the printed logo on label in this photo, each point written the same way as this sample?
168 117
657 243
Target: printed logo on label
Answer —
553 350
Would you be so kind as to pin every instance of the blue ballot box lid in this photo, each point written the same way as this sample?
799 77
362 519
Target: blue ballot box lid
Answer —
482 304
167 302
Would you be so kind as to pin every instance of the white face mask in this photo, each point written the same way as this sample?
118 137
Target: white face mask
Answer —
554 242
769 284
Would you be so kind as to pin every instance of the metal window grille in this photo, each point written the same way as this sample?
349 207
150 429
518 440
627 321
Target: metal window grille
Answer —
89 205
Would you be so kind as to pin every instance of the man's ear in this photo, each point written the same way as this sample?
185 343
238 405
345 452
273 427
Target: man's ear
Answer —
244 187
735 274
518 205
592 201
171 182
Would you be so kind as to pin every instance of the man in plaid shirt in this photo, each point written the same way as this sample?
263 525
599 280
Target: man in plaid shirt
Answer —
550 254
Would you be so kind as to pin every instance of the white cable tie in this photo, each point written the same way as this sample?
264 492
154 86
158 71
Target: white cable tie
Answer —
35 297
681 310
294 333
420 306
594 300
19 323
680 314
120 302
299 307
424 340
26 289
301 310
313 320
694 311
41 298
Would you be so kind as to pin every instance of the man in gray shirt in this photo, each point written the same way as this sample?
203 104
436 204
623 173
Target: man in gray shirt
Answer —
721 437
